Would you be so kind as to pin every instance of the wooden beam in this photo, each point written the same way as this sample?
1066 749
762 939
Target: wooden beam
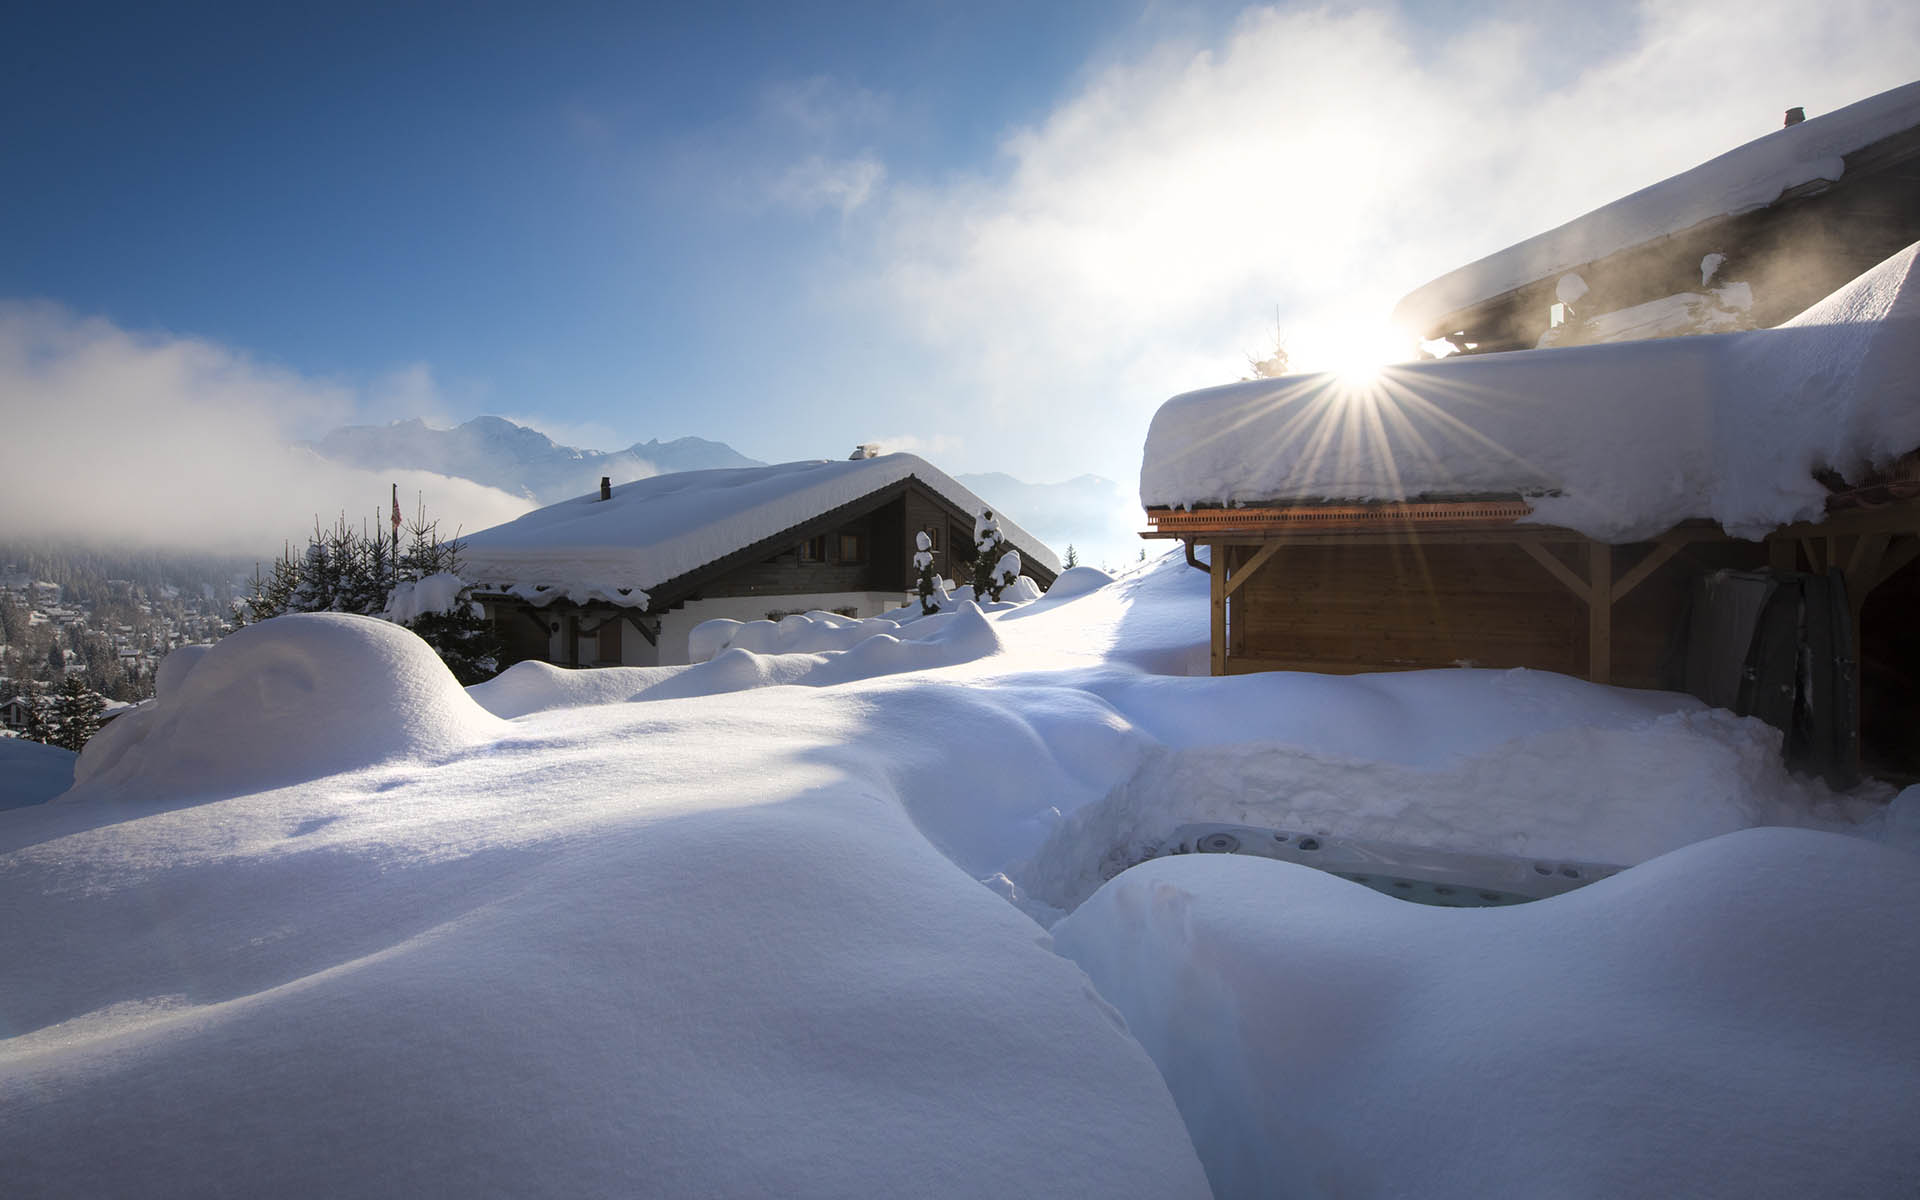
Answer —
1661 552
1217 554
634 619
1906 552
1251 565
1863 565
1559 570
1413 537
1600 612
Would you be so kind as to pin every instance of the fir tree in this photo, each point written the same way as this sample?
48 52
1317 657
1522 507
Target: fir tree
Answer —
461 636
39 717
987 544
927 586
1073 559
318 584
74 716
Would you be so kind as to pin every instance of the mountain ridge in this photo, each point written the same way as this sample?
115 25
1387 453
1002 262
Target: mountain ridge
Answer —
515 458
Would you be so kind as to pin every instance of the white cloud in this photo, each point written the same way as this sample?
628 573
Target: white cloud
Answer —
818 183
179 442
404 392
822 107
1135 241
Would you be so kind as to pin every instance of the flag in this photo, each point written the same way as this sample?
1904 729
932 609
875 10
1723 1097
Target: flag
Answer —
396 509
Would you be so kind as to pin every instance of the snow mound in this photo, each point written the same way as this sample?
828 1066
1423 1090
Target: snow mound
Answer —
31 773
1078 581
1901 825
796 633
944 639
1727 1020
1605 791
287 699
533 686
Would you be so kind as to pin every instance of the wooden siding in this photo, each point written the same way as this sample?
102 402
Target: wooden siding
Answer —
1348 608
785 574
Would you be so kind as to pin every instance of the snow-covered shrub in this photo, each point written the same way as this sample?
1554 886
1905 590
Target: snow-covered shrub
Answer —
929 586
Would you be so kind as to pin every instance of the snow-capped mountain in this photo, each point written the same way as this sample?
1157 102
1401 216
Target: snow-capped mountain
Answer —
525 462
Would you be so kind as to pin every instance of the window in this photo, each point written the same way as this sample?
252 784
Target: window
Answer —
814 549
853 548
933 538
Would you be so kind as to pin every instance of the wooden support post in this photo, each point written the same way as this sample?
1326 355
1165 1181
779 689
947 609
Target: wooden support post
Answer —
1599 612
1217 556
1665 550
1557 569
1246 569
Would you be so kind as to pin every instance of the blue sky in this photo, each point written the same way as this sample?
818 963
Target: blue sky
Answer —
998 234
564 211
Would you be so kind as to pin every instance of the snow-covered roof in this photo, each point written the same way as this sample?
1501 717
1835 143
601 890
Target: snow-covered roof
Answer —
655 530
1618 441
1742 180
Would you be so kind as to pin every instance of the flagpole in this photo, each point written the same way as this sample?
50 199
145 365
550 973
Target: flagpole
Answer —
396 535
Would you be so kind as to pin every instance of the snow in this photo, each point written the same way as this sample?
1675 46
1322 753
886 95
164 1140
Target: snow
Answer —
1620 442
412 599
1750 177
318 921
31 773
1728 1020
295 697
1720 310
658 529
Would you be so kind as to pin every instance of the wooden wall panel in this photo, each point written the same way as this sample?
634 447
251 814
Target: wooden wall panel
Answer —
1372 608
1365 608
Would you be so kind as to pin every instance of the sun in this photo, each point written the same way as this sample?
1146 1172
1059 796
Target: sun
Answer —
1356 355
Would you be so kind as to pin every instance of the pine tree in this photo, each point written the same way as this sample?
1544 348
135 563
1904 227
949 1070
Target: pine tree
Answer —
1073 559
318 584
461 636
988 547
928 584
75 715
39 717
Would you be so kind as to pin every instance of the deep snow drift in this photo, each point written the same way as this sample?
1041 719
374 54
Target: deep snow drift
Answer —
319 921
304 695
31 773
1728 1020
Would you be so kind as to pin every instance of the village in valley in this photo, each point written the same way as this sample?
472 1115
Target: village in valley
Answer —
1495 771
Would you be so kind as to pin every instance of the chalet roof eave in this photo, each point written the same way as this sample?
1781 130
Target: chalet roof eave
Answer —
1891 156
671 592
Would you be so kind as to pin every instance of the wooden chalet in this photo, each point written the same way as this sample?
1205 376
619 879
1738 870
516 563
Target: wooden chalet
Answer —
621 579
1471 512
1743 241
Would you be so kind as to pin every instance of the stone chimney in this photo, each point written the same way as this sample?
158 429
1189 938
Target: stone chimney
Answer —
1795 116
606 487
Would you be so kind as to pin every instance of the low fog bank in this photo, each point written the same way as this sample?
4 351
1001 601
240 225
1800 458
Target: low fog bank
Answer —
176 443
